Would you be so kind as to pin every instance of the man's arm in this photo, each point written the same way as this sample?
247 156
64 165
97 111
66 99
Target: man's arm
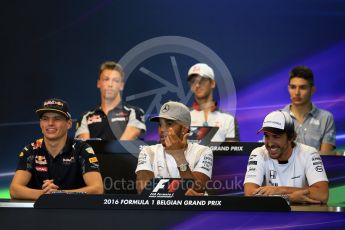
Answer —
84 136
233 134
326 148
19 189
249 189
135 126
82 130
200 179
130 133
328 140
316 193
143 177
231 140
319 191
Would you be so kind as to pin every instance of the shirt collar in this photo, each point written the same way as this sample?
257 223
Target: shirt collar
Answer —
119 106
196 106
312 112
65 149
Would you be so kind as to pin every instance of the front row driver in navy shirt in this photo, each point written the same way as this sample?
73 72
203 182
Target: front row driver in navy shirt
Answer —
55 162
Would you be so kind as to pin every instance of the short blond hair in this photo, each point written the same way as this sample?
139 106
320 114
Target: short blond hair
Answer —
111 65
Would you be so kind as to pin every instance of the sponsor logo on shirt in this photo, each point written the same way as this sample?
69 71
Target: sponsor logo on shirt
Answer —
37 144
93 119
252 163
118 119
41 160
319 168
41 168
251 169
207 163
121 114
251 176
316 159
271 183
273 174
93 160
68 161
313 121
90 150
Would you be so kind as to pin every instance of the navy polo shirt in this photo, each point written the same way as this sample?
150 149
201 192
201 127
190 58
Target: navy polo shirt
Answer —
111 127
66 169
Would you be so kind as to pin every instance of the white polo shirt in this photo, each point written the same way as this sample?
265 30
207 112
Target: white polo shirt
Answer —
304 168
226 123
153 158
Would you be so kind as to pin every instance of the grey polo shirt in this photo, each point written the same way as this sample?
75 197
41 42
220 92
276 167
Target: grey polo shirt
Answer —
318 127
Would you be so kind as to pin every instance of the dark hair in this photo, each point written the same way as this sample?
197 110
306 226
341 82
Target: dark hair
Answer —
111 65
302 72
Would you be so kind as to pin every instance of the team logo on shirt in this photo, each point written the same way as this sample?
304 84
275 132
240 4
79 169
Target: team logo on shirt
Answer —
41 160
273 174
37 144
67 161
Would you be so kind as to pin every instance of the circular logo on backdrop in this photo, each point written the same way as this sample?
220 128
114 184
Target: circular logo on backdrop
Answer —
146 51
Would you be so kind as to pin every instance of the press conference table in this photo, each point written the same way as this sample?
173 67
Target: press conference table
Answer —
230 163
23 214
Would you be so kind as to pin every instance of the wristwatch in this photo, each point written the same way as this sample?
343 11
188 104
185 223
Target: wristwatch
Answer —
183 167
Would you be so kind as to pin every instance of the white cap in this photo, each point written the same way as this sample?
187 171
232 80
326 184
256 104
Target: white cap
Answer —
175 111
202 70
274 122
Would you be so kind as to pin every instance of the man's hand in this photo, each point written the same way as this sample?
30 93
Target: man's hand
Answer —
192 192
175 146
301 196
49 186
268 190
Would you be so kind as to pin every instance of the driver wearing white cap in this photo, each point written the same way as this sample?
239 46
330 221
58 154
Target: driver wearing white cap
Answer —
284 167
204 111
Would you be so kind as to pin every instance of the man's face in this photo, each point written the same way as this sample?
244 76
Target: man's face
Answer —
165 125
54 125
300 91
110 84
278 145
202 87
